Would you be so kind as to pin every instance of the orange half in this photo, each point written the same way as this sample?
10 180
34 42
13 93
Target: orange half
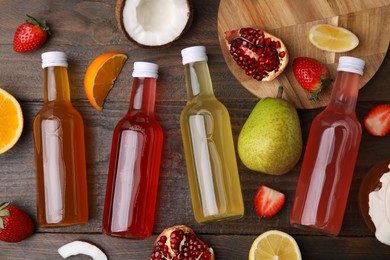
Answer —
11 121
101 75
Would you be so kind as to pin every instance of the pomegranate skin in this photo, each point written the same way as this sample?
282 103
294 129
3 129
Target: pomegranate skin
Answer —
260 54
180 242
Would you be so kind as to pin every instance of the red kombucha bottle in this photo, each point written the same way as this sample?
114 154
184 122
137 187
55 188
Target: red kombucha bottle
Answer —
330 155
135 161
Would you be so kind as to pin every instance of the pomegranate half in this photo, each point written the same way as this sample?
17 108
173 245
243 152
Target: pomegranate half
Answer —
180 242
262 55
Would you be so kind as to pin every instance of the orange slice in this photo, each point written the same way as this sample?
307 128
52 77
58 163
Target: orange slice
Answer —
274 244
101 75
332 38
11 121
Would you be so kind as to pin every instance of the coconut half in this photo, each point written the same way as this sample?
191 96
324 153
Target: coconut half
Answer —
154 23
81 248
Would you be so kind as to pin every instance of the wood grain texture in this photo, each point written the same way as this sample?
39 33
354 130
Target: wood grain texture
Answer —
291 21
225 247
85 29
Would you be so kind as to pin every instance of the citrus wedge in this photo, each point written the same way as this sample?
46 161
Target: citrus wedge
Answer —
101 75
11 121
332 38
274 245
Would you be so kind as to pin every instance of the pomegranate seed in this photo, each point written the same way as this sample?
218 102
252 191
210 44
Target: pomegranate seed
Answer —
282 54
261 41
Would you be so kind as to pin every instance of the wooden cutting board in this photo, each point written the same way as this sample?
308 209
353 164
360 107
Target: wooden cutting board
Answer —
291 21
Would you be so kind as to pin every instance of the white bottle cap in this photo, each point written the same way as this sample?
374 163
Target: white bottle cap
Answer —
145 70
54 58
193 54
351 64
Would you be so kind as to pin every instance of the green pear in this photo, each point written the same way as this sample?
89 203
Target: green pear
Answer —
271 140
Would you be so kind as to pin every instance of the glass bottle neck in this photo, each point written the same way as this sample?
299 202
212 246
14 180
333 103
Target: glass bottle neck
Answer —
143 95
56 84
345 91
198 80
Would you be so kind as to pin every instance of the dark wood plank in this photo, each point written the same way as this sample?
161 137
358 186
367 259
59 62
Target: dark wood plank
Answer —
174 203
226 247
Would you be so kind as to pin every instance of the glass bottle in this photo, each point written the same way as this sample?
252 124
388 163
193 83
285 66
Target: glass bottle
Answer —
330 155
59 150
208 145
135 161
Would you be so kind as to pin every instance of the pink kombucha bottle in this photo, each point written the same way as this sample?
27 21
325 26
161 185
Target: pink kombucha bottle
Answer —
135 161
330 155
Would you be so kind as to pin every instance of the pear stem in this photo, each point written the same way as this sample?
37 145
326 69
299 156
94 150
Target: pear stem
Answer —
280 92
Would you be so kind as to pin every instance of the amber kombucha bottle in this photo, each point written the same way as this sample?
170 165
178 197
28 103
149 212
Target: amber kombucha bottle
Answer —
134 169
59 150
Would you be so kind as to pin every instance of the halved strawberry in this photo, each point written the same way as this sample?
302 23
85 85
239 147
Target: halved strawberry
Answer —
377 121
268 201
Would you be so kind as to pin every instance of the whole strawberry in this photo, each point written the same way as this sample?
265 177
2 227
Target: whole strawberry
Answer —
312 75
15 225
31 35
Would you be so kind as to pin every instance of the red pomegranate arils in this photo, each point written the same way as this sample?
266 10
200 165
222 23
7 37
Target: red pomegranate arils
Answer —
262 55
180 242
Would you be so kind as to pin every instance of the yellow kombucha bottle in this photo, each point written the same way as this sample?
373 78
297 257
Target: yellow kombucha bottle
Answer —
208 145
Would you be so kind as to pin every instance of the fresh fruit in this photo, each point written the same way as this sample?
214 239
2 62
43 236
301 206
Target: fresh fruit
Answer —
15 225
83 248
268 201
101 75
274 244
154 23
30 35
377 121
312 75
180 242
379 208
371 182
270 140
262 55
11 121
332 38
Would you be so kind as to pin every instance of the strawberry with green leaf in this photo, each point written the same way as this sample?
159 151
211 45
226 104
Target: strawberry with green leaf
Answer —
312 75
30 35
15 225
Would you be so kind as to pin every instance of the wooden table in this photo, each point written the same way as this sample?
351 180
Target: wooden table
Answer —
85 29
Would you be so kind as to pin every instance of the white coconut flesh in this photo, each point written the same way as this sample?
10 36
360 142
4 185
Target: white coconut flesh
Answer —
155 22
81 248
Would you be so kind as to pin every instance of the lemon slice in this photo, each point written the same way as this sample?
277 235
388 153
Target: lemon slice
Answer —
332 38
274 245
11 121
